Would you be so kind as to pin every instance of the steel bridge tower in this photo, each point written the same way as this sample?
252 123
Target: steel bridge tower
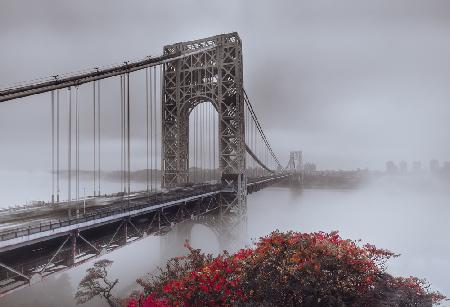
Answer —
295 166
216 76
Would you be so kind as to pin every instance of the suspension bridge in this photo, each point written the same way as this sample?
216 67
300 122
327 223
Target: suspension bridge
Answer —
205 150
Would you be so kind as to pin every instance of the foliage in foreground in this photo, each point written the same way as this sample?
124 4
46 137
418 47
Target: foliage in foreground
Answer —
293 269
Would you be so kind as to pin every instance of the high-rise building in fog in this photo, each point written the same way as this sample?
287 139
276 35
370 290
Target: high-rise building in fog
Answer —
310 167
446 167
403 167
417 166
391 168
434 166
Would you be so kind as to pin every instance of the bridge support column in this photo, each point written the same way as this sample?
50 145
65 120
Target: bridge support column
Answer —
214 75
233 213
172 243
125 232
73 248
295 166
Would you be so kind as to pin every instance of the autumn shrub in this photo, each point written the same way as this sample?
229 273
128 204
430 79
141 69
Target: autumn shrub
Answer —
286 269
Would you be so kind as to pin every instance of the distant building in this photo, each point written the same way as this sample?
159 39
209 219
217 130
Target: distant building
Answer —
446 167
391 168
310 167
434 166
403 166
417 166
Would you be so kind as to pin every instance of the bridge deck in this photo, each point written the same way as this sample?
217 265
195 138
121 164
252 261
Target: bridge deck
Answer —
50 222
46 243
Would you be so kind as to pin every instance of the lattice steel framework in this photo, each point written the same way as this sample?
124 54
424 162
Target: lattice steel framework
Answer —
295 163
215 76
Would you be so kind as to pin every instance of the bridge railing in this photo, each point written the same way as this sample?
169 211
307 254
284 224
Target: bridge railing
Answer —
126 206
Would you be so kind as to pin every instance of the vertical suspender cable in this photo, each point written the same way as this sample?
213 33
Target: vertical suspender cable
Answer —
121 133
215 115
194 135
206 142
128 136
194 163
95 141
78 141
57 146
152 102
99 137
76 146
197 145
207 148
154 121
124 134
209 142
69 152
251 145
245 138
53 146
203 143
200 143
152 109
152 99
146 130
254 150
198 152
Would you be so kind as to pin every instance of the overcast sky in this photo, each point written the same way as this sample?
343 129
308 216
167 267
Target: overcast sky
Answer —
351 83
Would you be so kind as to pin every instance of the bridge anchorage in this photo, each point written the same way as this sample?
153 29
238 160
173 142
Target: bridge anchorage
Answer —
213 153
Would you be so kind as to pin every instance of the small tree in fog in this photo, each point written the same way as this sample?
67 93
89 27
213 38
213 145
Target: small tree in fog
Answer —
96 283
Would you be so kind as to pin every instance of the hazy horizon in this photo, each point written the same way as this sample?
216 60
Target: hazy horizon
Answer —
351 84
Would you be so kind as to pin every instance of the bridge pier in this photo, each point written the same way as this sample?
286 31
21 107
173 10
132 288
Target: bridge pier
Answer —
214 76
73 249
125 232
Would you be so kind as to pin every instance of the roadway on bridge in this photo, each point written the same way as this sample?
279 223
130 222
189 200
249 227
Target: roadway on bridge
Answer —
26 224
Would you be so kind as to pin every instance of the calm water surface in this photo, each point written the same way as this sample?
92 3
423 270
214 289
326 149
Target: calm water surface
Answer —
407 215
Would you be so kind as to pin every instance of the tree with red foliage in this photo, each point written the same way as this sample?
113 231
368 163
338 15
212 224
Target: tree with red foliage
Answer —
294 269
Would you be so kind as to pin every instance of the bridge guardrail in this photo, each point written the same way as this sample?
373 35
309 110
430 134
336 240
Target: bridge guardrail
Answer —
102 213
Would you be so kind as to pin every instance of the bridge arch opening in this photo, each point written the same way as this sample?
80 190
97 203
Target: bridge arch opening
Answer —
203 142
206 238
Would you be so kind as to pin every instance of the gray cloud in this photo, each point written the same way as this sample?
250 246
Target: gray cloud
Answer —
351 83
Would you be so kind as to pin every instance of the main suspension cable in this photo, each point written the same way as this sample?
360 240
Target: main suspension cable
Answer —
258 126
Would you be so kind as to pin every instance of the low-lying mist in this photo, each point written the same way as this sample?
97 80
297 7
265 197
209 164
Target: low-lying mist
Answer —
406 214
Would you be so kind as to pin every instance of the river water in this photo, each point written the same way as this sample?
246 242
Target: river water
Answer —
408 215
